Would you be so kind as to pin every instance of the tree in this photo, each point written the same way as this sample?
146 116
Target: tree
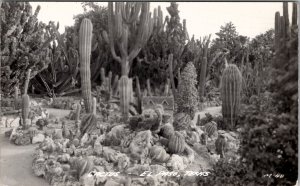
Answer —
24 44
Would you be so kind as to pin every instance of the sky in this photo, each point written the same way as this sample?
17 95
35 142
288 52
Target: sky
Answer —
203 18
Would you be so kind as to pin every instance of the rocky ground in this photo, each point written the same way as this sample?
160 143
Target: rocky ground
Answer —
16 161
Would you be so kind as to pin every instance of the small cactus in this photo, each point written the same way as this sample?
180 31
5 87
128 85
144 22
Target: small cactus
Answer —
176 143
211 128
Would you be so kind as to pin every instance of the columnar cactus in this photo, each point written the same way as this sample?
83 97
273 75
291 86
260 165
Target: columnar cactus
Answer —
130 24
231 87
26 100
124 96
85 44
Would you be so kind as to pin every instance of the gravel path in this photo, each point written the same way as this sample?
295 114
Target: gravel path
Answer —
16 161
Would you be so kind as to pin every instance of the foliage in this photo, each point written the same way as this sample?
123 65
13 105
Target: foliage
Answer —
232 45
256 64
187 99
24 44
269 145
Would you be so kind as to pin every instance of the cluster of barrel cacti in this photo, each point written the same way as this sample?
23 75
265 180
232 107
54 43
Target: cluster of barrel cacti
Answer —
231 87
24 44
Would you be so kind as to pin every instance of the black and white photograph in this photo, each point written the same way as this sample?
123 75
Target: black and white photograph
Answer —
149 93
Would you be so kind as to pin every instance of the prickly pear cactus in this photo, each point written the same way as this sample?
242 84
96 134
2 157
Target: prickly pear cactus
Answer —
231 87
85 44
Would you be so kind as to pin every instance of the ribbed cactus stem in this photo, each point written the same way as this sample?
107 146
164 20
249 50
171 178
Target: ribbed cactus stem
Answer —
16 97
139 95
115 85
27 81
277 30
286 20
102 75
294 14
85 44
170 62
25 108
203 69
167 87
231 87
78 109
149 87
124 96
109 82
94 105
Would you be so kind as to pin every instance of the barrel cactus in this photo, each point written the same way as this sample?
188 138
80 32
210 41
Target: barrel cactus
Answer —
231 87
158 153
176 143
85 44
210 128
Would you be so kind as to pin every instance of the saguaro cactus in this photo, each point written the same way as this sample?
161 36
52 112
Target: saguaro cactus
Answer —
129 27
85 44
231 87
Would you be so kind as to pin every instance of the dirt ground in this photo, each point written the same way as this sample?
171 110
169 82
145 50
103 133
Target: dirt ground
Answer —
15 161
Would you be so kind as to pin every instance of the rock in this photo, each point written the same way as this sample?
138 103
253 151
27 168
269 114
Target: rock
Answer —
8 133
23 140
66 167
39 168
176 163
38 138
140 145
57 134
87 180
111 182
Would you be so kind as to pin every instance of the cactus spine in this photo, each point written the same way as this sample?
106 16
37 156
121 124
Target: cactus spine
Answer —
85 43
231 87
26 100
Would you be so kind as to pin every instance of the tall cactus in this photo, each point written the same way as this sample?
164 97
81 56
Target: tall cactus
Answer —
129 27
124 96
231 87
26 100
85 44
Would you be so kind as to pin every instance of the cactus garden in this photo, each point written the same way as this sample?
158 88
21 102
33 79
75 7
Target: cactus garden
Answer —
128 96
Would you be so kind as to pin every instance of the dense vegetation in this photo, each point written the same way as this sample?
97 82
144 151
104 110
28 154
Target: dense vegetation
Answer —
125 53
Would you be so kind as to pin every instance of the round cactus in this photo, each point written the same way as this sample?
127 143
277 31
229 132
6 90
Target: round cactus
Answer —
167 130
210 128
158 153
176 143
